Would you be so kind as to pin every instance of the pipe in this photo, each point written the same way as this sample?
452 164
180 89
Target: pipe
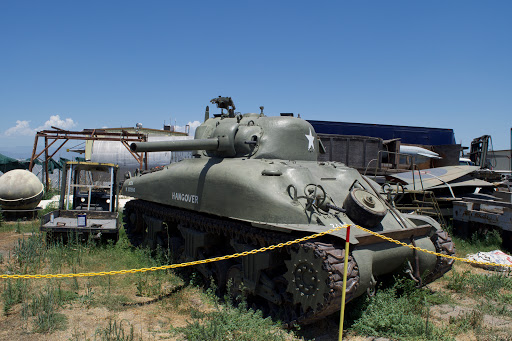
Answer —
179 145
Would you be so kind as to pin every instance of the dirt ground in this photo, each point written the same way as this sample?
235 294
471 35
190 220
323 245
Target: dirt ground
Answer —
7 242
151 318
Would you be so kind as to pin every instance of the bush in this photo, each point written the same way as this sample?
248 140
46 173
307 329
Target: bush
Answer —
489 286
397 312
233 323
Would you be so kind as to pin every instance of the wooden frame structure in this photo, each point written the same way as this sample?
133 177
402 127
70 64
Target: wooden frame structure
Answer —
51 137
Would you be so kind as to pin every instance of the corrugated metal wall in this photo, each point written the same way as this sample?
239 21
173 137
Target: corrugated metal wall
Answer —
353 151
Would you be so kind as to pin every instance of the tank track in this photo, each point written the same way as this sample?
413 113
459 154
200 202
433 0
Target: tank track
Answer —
290 311
444 245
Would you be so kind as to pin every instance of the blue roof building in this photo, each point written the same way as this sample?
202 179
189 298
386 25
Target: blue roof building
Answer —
406 134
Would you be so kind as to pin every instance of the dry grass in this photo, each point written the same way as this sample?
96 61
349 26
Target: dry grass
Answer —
151 306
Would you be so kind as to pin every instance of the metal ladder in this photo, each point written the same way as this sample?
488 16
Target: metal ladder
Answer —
429 200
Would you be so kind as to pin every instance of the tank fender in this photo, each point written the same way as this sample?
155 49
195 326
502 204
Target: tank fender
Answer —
382 258
313 228
417 220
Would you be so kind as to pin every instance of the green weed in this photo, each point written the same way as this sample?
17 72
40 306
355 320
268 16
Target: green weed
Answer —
489 286
486 238
232 323
30 252
229 322
13 293
496 309
115 331
19 226
76 335
400 311
469 321
480 241
47 322
44 307
459 282
88 297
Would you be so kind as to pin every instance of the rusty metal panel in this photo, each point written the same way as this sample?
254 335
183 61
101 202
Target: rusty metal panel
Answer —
484 212
450 154
353 151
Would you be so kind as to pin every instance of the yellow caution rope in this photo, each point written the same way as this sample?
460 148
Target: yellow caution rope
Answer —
246 253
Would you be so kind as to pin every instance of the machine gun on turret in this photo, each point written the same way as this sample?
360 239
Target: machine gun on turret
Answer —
225 103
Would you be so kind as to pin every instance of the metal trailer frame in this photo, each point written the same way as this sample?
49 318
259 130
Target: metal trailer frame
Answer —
101 221
483 213
51 136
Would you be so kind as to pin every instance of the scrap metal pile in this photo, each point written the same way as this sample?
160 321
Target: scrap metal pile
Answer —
456 193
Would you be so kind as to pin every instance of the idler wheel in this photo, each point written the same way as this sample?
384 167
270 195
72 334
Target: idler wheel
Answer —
364 208
307 281
132 226
443 244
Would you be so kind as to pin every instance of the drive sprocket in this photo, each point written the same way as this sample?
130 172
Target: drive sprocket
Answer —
320 259
307 281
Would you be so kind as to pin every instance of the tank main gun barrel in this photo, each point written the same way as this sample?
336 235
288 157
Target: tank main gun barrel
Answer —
176 145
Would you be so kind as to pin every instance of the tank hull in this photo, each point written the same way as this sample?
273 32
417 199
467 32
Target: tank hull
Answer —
257 182
221 187
206 207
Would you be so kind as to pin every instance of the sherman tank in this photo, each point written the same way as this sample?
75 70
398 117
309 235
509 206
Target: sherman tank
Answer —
255 181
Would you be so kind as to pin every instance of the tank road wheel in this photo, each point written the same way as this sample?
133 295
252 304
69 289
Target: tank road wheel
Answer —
307 280
177 249
443 244
133 226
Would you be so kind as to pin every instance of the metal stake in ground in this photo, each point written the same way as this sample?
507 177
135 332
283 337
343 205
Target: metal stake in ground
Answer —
345 268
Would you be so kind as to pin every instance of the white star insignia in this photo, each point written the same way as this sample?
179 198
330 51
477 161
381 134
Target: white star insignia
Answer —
311 140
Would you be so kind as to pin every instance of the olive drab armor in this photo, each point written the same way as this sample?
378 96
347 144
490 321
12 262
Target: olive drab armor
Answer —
255 181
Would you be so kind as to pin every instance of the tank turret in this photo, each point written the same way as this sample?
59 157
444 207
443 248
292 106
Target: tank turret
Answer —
250 135
255 181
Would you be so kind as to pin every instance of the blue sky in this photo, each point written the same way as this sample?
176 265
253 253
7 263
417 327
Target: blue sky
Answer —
92 64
